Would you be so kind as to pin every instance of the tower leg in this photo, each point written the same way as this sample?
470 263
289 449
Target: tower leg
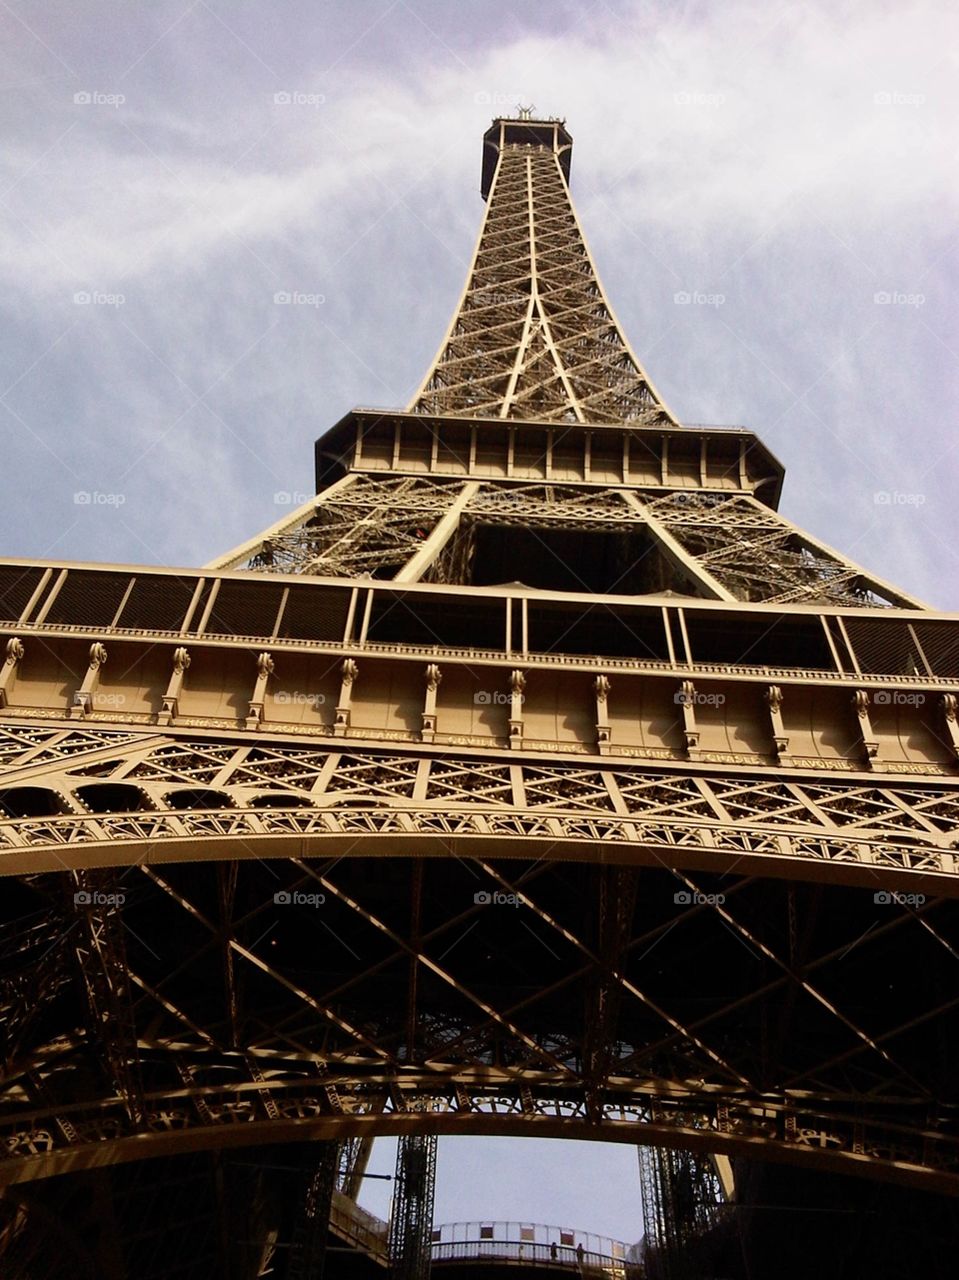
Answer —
307 1254
411 1221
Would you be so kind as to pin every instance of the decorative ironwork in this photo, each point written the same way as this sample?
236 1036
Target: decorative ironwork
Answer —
535 655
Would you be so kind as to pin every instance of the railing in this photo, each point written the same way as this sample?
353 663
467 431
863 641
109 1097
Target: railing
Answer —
359 1227
527 1244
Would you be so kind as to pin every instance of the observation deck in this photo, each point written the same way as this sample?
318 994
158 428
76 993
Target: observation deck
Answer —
522 1244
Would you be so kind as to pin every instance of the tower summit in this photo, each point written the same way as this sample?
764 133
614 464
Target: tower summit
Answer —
536 776
533 335
535 382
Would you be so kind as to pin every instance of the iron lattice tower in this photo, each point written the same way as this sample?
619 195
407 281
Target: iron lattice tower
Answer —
351 832
411 1219
682 1204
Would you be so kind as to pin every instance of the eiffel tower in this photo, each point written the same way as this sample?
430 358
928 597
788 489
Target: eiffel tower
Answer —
537 777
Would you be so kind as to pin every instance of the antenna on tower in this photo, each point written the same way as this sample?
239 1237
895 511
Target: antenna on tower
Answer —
525 113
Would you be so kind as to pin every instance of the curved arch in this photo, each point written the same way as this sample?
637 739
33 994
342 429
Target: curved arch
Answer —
218 833
112 797
201 799
806 1150
30 802
279 800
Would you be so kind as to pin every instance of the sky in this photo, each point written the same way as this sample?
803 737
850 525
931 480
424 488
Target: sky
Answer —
167 168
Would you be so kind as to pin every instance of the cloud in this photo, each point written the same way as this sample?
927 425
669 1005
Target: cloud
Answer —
796 159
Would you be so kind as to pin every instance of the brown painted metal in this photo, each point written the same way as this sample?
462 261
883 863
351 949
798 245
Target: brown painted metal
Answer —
715 791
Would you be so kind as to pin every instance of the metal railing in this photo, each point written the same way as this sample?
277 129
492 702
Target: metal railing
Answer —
359 1227
530 1244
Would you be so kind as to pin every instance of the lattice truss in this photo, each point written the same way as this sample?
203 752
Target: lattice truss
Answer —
365 528
534 336
376 525
532 990
758 555
682 1201
112 787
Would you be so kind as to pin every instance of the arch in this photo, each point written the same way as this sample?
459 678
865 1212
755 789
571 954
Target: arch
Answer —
31 802
112 797
280 800
807 1152
205 824
202 799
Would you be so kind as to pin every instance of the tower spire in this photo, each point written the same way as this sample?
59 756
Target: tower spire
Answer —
535 384
534 336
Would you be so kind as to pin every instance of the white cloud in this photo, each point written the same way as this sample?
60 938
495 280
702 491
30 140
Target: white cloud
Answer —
738 144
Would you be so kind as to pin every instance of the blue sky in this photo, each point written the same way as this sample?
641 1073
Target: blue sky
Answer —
797 161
